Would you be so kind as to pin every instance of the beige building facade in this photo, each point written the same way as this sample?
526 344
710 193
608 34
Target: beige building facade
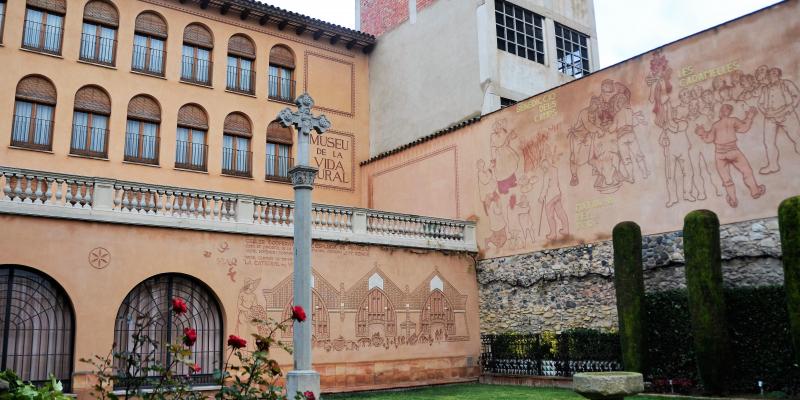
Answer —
142 161
451 60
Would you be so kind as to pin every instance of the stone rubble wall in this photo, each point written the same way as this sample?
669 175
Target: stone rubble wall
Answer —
573 287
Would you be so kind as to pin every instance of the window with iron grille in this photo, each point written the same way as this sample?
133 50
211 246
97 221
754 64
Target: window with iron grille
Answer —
519 31
34 110
38 326
99 36
141 133
279 152
2 18
150 301
90 122
43 31
572 51
149 42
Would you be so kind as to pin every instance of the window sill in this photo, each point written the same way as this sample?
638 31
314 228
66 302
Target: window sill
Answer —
142 164
237 176
97 64
190 170
205 388
31 149
273 180
153 75
88 157
241 93
289 102
59 56
202 85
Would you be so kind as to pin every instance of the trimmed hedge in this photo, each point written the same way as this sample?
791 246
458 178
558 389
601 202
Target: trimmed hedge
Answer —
789 222
629 288
760 344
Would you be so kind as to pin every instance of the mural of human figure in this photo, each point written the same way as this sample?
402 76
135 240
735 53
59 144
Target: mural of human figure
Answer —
497 224
625 120
505 160
723 134
701 153
550 198
247 304
486 185
673 138
778 102
581 137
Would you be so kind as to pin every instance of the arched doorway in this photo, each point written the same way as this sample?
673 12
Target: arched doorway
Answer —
151 300
38 325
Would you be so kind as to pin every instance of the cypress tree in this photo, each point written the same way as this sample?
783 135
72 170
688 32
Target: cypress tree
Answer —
789 222
701 248
629 285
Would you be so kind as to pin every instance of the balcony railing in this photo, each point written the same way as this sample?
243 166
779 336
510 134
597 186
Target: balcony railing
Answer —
45 194
43 38
241 80
281 89
237 162
98 49
148 60
141 149
278 168
196 70
190 155
85 141
33 133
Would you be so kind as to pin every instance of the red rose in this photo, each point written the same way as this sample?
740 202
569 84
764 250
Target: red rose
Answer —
194 369
179 306
236 342
309 395
298 314
189 336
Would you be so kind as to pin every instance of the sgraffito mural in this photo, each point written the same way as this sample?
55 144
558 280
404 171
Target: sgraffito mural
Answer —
708 122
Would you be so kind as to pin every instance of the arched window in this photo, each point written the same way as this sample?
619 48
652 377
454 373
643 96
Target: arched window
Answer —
237 159
438 319
376 315
279 151
99 38
148 44
320 318
33 113
2 18
90 122
191 151
44 25
197 45
241 56
150 303
38 325
281 74
141 134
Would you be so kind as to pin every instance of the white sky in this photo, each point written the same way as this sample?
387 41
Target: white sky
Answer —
625 28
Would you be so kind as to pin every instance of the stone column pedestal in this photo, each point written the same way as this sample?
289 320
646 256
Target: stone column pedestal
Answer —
302 381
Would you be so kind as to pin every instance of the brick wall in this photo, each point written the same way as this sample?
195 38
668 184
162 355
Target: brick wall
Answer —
379 16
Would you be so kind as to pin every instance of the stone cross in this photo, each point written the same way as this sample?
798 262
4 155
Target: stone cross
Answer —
303 378
304 122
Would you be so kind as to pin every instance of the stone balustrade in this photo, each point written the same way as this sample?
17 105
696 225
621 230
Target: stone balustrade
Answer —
44 194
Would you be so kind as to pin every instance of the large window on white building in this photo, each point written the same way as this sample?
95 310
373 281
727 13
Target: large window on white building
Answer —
519 31
572 51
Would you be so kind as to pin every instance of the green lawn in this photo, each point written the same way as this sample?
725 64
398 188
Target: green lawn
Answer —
472 391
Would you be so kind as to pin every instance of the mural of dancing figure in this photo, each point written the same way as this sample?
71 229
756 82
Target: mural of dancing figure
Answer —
550 198
673 138
778 102
723 134
625 120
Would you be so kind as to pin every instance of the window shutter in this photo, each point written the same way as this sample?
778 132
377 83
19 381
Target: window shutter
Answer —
193 116
198 35
145 108
101 12
56 6
281 56
150 23
36 89
241 45
277 133
237 124
93 99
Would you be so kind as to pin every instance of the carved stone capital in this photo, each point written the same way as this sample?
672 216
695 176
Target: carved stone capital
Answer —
303 176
